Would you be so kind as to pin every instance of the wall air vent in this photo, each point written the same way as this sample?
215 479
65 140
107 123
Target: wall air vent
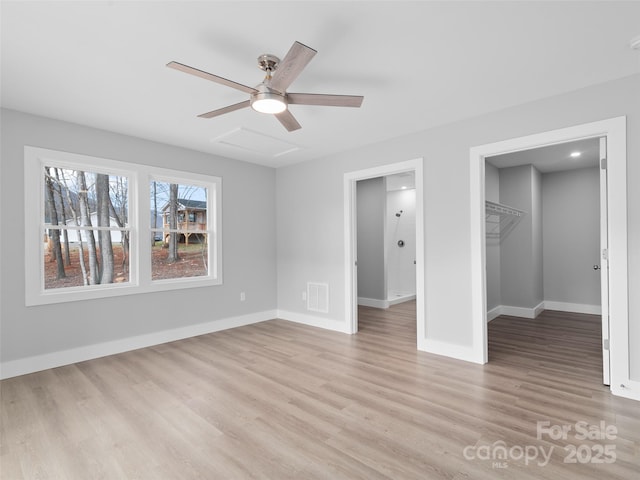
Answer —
318 297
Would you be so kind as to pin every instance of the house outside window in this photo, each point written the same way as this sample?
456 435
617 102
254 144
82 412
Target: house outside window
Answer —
185 240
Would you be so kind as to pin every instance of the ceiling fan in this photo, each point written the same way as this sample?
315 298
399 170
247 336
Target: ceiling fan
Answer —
271 96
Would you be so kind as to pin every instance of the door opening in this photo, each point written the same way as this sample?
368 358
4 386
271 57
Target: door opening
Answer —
614 130
351 242
546 231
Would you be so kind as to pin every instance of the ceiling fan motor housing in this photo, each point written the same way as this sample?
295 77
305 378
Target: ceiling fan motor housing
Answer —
268 62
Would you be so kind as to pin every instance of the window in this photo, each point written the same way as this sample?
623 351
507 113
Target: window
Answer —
85 216
182 251
97 228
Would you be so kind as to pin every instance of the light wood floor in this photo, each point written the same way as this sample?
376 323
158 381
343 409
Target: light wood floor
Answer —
279 400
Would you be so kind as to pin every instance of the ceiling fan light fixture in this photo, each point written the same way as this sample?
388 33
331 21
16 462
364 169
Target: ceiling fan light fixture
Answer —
268 102
271 95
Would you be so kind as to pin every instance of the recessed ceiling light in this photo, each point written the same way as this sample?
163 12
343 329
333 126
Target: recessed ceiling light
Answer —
575 154
404 187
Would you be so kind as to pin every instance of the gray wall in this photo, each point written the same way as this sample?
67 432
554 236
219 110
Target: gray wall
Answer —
521 249
571 231
492 193
248 236
310 210
565 208
371 207
536 237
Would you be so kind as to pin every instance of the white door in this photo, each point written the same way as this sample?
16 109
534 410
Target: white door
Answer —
604 261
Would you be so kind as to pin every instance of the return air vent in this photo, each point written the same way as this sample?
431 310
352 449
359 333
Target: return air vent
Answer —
318 297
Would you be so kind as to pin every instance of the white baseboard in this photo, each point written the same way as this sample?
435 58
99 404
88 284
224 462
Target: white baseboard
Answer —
494 313
446 349
522 311
630 390
402 299
573 307
373 302
313 321
545 305
23 366
376 303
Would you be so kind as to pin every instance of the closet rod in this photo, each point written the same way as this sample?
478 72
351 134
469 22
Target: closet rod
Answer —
500 209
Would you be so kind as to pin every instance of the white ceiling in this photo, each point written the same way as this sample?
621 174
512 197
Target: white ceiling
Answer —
553 158
418 65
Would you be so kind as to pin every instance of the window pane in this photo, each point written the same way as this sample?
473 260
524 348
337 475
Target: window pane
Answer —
77 272
85 216
179 230
192 261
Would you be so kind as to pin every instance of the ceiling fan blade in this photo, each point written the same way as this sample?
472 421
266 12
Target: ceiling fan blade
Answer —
324 100
222 111
287 119
292 64
210 76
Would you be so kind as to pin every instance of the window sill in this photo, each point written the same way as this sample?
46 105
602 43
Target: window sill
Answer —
75 294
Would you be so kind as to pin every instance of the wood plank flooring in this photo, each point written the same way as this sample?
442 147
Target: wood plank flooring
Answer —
279 400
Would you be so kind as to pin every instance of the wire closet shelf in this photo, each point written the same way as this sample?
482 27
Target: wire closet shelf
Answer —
501 219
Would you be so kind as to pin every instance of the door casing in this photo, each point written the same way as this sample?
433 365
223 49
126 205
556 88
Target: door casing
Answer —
351 244
614 130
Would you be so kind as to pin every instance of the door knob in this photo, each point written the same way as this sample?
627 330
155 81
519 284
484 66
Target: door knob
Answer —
596 267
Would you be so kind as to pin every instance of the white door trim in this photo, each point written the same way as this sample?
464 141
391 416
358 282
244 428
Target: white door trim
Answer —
615 131
350 241
604 260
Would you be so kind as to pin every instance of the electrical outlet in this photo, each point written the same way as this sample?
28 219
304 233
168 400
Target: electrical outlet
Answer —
304 296
243 297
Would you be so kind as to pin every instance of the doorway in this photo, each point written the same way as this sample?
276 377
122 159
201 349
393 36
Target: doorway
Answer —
614 130
385 236
350 240
543 243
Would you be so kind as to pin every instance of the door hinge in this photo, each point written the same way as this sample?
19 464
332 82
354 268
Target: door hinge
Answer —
603 163
605 344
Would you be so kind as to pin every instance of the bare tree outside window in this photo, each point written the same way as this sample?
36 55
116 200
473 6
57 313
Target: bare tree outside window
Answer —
54 233
93 208
180 246
103 209
173 224
63 210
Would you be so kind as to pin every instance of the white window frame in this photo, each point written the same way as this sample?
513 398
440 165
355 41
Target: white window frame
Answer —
213 199
139 178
